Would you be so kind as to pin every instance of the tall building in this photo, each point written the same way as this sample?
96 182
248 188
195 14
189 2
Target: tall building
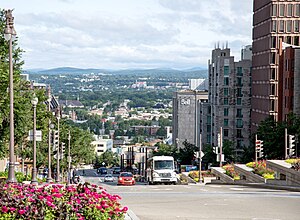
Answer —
274 22
289 81
187 121
229 98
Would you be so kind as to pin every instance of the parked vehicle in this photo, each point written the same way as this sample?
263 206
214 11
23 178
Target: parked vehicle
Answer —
116 170
108 178
102 170
126 178
161 169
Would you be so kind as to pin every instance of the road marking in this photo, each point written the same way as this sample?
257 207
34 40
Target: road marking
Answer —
215 186
237 189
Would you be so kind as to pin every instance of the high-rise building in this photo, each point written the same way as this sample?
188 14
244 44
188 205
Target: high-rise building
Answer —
187 121
274 22
229 98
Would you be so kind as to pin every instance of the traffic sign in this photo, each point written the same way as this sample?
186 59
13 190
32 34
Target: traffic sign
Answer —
38 135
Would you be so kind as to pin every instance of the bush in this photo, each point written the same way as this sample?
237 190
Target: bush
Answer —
261 169
229 170
19 176
21 201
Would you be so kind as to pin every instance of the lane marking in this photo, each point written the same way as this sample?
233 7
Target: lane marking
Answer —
237 189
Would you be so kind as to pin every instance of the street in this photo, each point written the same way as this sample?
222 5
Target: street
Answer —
191 202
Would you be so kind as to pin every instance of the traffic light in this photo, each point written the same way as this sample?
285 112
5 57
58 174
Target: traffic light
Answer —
196 154
291 145
261 149
55 140
216 150
63 147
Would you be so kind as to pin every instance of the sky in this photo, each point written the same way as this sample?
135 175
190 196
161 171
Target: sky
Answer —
121 34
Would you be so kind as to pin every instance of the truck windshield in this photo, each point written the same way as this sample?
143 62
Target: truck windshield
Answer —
163 164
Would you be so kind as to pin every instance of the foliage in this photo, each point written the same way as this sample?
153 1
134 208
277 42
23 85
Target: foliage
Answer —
186 153
292 160
20 177
229 170
209 155
109 158
295 163
261 169
19 201
165 150
228 151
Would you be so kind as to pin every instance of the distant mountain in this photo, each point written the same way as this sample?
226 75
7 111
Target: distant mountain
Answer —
196 72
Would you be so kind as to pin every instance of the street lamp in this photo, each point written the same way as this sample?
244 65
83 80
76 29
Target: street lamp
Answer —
51 126
9 34
58 154
34 102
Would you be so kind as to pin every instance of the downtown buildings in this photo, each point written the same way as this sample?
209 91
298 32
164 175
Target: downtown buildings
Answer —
275 73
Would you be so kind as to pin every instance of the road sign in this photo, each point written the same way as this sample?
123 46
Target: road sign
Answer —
38 135
201 154
103 163
222 158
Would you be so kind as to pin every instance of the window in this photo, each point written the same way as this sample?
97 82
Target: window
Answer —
273 73
226 122
274 26
281 26
208 128
288 39
239 92
226 102
273 58
273 42
226 92
274 10
226 70
296 26
297 10
239 113
225 132
226 111
239 101
289 10
281 10
288 26
239 81
272 105
239 133
209 119
296 40
240 71
239 123
226 81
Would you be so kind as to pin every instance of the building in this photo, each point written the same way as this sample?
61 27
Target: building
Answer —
71 104
198 84
186 116
289 81
229 98
102 145
273 22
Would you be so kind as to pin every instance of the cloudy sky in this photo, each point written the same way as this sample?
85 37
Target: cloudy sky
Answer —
118 34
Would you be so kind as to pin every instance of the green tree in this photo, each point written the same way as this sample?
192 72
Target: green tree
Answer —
109 158
186 153
165 150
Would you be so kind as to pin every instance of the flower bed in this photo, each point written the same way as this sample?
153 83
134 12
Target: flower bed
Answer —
261 169
20 201
229 170
295 163
195 175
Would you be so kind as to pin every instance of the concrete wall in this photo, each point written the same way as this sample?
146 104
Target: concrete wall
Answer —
247 174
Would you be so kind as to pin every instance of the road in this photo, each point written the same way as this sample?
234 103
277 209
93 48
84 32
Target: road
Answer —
217 202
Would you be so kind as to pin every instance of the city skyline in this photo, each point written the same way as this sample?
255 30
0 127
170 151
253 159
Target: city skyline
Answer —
149 34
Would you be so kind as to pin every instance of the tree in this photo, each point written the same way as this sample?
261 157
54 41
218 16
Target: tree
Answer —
109 158
228 151
165 150
186 154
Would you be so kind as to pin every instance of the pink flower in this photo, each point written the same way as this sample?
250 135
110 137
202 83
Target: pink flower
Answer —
12 209
4 209
22 211
125 209
57 195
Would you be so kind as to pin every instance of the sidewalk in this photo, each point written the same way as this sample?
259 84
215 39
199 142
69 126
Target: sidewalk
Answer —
130 215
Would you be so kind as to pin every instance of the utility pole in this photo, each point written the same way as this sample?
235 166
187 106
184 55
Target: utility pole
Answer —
58 154
221 145
69 158
255 148
285 144
200 159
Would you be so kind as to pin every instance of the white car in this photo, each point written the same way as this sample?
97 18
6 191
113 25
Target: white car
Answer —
108 178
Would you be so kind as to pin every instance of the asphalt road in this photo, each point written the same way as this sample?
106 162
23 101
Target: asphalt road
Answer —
196 202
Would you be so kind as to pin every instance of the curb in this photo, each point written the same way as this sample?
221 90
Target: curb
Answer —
130 215
263 186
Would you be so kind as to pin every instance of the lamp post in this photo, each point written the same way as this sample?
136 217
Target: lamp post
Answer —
51 126
58 154
34 102
9 34
69 157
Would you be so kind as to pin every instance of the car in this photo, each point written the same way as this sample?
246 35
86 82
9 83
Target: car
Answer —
126 178
102 170
116 170
108 178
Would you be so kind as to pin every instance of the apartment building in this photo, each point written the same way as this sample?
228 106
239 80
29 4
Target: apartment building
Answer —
229 97
274 22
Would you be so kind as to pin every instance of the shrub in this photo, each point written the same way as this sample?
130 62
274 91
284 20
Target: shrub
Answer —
261 169
20 201
229 170
20 177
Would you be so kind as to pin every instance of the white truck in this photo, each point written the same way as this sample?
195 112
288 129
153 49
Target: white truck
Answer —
161 169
